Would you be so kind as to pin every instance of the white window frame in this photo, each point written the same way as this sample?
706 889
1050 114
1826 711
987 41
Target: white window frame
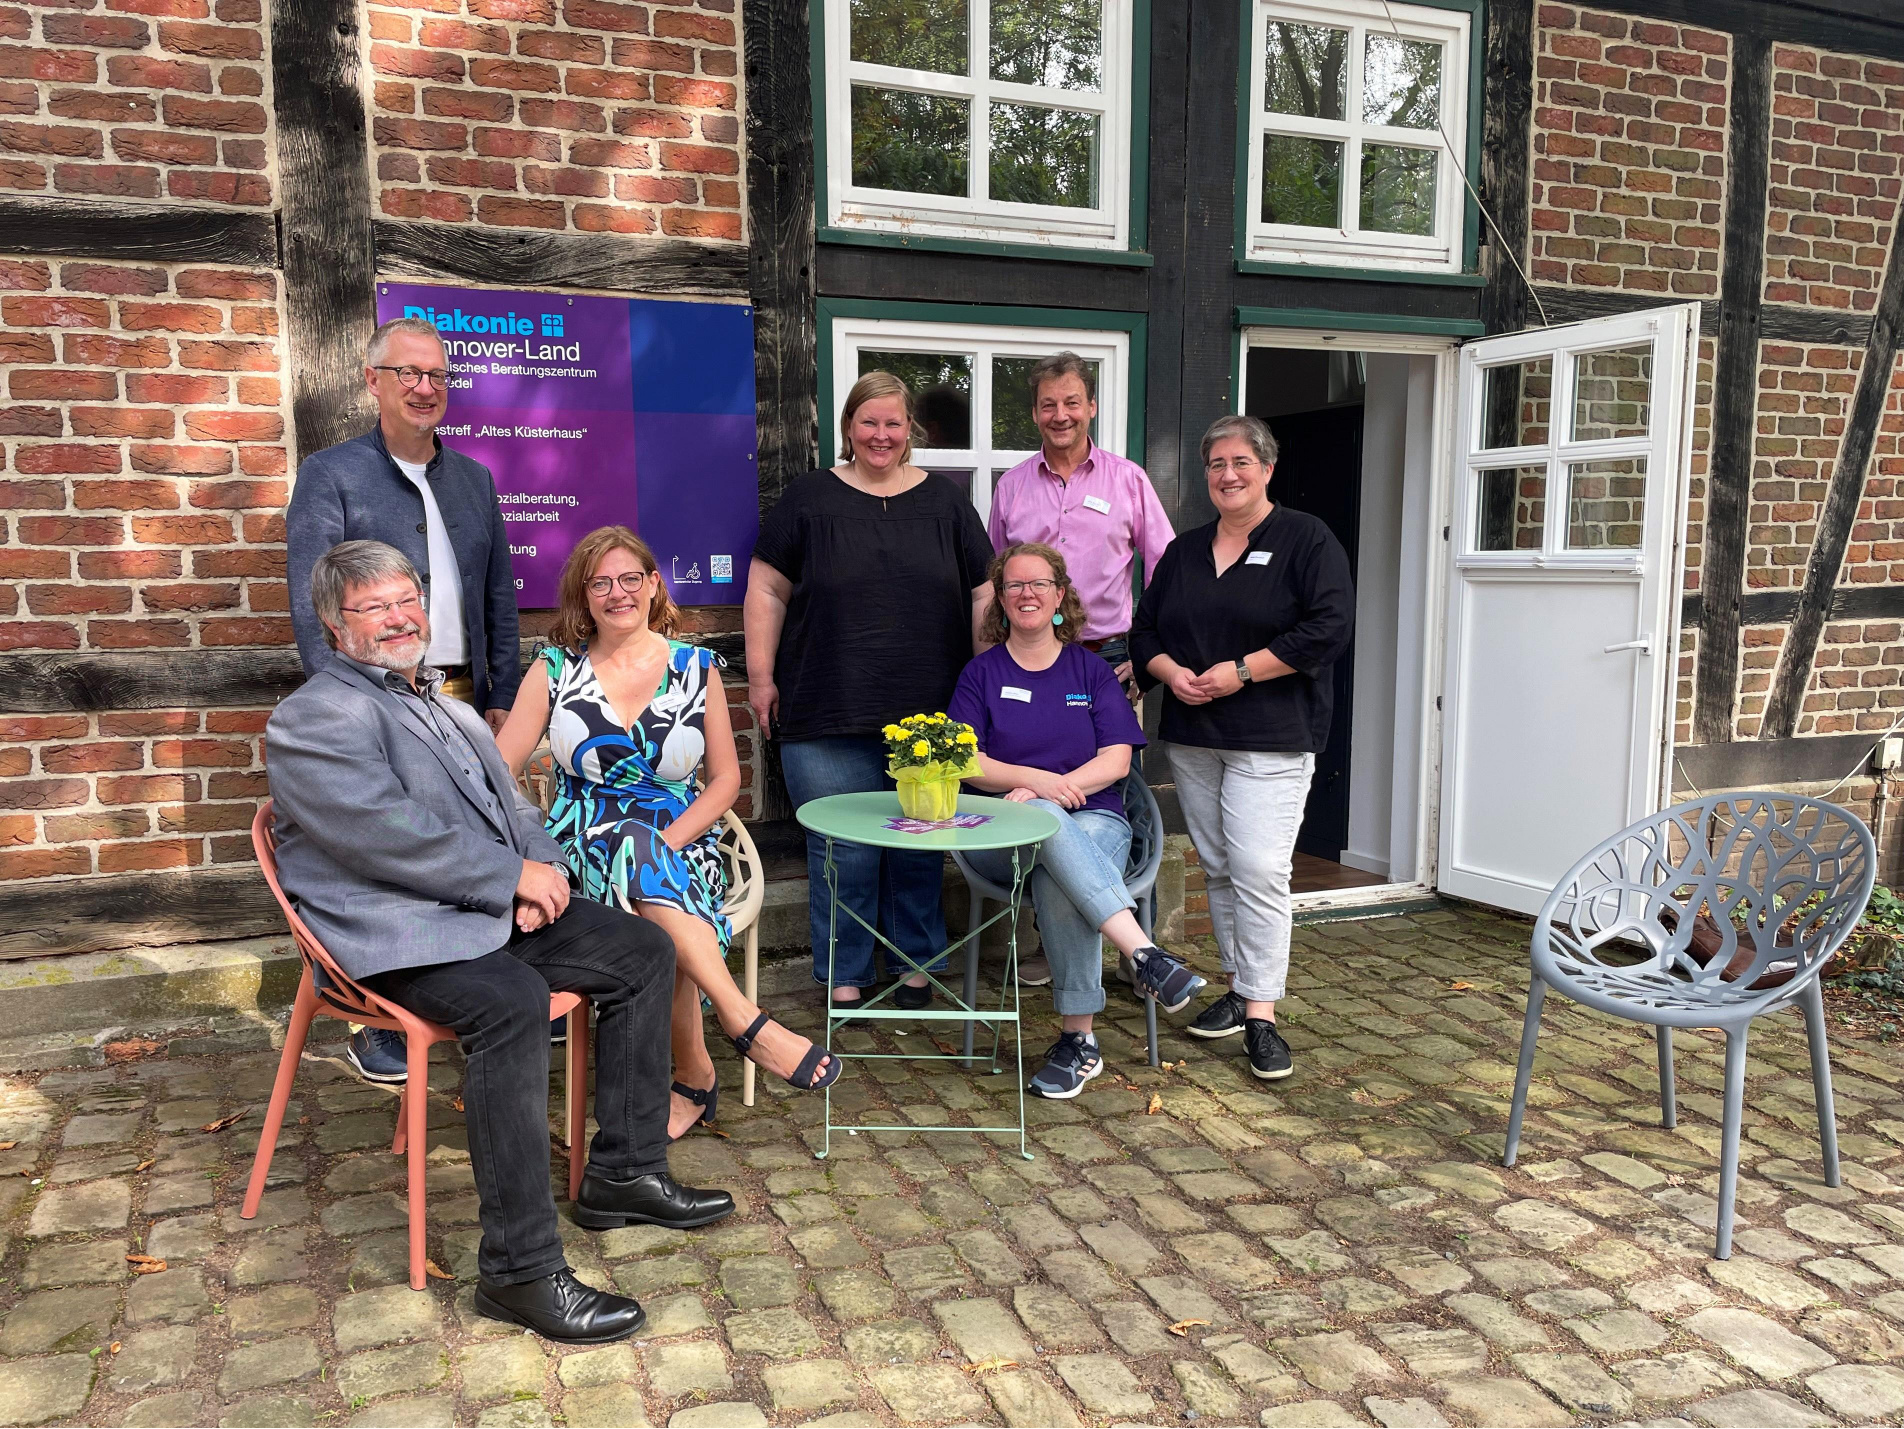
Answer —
976 216
982 342
1350 246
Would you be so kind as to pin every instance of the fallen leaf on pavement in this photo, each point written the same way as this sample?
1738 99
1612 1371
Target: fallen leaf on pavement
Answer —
114 1347
145 1264
435 1271
1156 1104
1460 986
147 1164
225 1121
8 1145
990 1366
456 1103
1182 1327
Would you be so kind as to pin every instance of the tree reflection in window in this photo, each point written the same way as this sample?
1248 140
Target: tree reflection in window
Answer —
1307 70
1057 44
915 143
941 385
910 34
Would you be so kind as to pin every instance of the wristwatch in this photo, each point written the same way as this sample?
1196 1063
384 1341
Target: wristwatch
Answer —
1243 671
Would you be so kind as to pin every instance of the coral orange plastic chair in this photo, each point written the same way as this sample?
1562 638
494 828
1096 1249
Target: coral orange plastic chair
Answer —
337 995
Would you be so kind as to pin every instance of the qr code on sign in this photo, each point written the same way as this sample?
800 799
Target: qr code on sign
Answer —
721 567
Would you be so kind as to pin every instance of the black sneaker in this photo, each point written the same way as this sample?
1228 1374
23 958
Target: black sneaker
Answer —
1161 976
379 1055
1268 1053
1222 1018
1069 1064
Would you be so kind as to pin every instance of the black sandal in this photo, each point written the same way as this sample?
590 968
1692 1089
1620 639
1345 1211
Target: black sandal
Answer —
807 1077
706 1098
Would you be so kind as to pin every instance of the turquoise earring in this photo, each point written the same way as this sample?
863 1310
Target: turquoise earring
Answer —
1058 619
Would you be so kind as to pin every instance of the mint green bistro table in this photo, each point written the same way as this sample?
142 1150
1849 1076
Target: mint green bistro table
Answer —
865 819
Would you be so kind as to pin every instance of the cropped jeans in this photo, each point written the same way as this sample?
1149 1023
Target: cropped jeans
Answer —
897 892
1076 884
1242 810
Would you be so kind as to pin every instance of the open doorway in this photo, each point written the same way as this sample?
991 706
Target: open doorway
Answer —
1357 431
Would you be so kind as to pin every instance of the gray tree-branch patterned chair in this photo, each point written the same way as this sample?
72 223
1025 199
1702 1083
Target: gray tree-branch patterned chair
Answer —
1707 914
1140 881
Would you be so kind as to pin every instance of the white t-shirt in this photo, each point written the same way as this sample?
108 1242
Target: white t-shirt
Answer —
449 640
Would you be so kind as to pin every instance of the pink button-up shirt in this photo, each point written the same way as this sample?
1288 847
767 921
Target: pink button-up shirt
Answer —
1100 520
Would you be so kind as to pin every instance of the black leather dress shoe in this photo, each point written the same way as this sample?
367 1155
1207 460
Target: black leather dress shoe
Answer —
561 1308
656 1199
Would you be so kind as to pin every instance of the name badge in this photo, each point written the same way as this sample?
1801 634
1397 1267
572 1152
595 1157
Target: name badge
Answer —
1014 692
1258 558
1098 504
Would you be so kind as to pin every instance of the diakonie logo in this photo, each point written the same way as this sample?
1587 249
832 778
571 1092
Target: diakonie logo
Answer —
507 324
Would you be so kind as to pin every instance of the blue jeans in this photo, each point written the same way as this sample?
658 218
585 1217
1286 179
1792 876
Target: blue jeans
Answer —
900 893
1077 883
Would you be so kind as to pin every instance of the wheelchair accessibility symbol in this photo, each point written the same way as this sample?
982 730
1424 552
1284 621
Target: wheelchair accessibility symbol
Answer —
693 576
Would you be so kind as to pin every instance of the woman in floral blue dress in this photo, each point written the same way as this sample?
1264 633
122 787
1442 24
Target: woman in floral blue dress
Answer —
633 718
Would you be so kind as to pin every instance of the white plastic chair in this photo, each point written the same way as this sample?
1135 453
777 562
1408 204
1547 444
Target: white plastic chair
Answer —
1140 881
1772 883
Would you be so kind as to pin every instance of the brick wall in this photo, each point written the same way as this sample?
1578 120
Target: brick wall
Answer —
138 99
1837 146
144 442
572 114
1628 152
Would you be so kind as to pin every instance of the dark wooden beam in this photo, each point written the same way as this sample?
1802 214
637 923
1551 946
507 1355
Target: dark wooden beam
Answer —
1778 322
64 682
1759 763
148 232
45 917
1735 391
1858 27
907 275
1507 106
1170 98
330 265
781 263
1572 305
605 262
1778 607
1842 495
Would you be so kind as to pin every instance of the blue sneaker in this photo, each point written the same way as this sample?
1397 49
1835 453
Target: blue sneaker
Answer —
1071 1062
1161 976
378 1055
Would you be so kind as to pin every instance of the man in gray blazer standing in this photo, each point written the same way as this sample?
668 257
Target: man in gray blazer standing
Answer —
409 852
398 483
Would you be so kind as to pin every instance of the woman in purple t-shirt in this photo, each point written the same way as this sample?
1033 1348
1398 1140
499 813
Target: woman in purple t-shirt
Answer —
1054 729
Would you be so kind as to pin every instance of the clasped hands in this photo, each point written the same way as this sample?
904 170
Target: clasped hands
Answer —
1058 788
542 895
1214 683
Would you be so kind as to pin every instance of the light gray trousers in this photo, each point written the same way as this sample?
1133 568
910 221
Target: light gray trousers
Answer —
1242 811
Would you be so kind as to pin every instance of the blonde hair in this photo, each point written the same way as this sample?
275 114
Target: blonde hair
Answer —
574 622
995 627
869 388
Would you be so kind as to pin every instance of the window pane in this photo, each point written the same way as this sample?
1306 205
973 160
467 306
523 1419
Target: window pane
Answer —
1055 43
915 143
1511 508
1517 397
1305 70
1046 156
912 34
1606 504
1401 84
959 477
1013 428
1398 189
1302 181
941 384
1613 393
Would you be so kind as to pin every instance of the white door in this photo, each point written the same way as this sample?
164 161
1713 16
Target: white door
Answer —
1566 544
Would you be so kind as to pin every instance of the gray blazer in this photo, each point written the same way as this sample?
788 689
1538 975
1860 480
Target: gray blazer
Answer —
382 844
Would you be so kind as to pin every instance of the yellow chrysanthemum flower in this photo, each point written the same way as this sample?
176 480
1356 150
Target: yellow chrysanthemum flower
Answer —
967 737
892 731
921 749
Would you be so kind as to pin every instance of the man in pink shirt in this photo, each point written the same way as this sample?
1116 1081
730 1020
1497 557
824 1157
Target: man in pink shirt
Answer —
1097 509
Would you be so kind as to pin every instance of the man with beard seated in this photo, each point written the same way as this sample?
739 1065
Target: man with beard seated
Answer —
409 852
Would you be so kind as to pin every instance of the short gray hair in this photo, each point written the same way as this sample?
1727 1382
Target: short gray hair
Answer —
1063 364
351 563
379 344
1253 430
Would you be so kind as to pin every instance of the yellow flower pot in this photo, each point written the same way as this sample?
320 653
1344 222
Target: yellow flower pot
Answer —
932 798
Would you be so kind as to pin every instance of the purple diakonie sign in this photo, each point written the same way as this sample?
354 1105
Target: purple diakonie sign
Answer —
597 411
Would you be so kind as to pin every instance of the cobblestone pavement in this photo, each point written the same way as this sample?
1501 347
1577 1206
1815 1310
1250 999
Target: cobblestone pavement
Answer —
1188 1245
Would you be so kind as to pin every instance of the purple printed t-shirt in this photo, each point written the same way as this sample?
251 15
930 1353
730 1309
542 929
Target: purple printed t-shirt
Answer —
1055 719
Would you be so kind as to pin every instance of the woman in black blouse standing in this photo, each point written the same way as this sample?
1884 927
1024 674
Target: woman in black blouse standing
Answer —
1241 624
863 600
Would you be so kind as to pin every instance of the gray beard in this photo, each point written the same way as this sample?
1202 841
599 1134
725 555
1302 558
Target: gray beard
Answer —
380 653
